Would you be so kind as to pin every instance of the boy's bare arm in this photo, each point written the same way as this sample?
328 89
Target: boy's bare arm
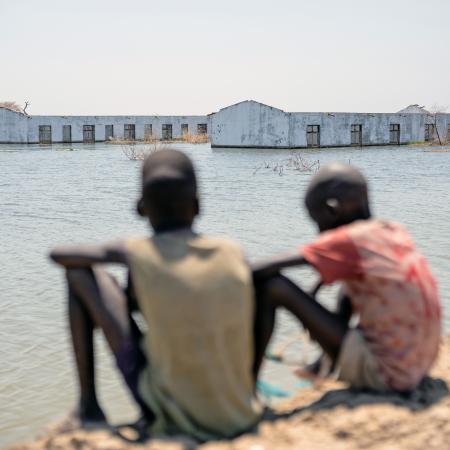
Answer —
86 255
130 293
262 269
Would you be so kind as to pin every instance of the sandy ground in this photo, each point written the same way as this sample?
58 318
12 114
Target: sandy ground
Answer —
329 417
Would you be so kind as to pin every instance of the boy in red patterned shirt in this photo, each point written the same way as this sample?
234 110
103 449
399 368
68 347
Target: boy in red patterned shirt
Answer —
385 281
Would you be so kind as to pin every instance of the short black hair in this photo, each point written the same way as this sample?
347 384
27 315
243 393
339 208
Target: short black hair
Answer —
168 165
169 186
339 181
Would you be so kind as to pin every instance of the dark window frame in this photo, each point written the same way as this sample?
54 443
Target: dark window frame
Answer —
202 128
184 129
88 134
45 134
109 132
356 134
166 132
148 131
313 136
129 131
394 133
65 133
429 132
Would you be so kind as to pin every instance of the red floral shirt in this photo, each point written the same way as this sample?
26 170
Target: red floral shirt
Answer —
391 288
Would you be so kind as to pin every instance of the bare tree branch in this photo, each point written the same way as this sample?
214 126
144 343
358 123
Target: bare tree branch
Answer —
434 111
27 103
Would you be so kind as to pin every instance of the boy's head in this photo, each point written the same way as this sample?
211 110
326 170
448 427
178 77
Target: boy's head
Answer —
169 191
337 195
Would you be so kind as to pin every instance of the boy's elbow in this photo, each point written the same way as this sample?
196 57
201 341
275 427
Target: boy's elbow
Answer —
54 255
57 256
262 273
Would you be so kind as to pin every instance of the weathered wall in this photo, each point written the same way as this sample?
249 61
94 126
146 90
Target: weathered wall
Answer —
19 128
245 124
13 126
252 124
335 128
118 123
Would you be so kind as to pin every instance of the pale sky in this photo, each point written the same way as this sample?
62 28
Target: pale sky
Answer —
196 56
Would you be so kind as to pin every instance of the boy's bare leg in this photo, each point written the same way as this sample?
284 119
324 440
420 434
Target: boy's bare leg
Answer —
344 312
82 332
264 324
95 299
325 327
344 308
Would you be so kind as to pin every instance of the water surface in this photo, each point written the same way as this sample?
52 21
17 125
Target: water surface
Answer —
49 195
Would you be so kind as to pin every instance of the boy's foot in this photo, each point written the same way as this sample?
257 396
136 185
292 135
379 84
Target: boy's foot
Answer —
91 415
316 372
84 417
136 432
73 422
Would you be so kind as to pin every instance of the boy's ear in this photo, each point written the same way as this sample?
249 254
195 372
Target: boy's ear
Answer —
140 207
333 205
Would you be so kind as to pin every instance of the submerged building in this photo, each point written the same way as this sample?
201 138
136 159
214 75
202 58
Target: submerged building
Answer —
246 124
253 124
20 128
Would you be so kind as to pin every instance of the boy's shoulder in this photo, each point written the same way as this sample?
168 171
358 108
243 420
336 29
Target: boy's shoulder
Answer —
216 242
189 239
363 231
380 236
374 228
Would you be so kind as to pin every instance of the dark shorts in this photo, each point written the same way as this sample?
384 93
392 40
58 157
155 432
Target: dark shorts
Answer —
131 360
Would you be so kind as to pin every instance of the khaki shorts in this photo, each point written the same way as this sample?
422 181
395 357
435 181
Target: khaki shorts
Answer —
357 365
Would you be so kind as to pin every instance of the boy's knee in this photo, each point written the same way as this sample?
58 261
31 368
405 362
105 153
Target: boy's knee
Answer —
270 288
75 276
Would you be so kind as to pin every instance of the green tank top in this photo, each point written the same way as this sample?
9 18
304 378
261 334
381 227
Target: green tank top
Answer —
196 295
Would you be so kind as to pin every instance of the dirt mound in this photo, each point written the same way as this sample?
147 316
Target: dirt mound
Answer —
330 417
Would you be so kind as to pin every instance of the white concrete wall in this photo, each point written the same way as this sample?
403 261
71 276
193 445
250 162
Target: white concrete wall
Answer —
13 127
252 124
245 124
118 123
335 128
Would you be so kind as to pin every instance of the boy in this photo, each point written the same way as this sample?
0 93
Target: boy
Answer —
197 368
385 281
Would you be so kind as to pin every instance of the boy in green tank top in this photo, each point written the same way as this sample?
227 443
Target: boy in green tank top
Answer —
194 370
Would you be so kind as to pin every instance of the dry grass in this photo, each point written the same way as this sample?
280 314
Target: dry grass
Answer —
152 140
195 138
433 143
118 141
12 106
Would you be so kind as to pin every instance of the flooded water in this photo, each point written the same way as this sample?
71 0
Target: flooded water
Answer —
49 195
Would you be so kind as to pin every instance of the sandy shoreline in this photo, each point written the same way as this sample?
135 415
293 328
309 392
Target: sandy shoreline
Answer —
329 417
